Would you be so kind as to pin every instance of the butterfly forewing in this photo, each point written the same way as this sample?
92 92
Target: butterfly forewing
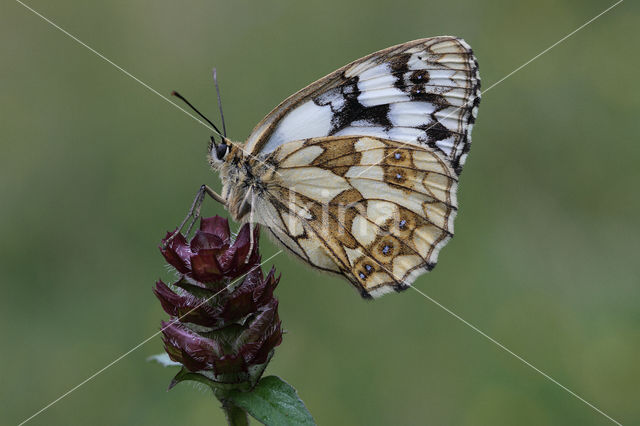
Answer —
423 92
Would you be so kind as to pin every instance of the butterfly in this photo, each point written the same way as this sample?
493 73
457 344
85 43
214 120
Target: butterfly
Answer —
357 173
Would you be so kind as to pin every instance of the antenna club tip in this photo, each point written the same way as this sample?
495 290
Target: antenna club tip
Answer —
174 93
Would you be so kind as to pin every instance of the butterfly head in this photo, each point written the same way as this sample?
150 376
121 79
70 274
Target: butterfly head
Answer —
218 150
221 151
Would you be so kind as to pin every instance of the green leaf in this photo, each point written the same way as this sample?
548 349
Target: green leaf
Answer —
184 375
273 402
164 360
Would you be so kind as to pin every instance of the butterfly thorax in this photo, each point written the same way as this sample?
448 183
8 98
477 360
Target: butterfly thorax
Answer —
242 180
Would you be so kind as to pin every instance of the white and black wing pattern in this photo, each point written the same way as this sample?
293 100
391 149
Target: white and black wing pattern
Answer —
424 92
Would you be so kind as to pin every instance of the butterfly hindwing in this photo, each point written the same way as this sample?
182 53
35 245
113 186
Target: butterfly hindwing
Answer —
423 92
374 210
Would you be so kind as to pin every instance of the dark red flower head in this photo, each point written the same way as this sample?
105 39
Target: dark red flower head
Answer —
211 255
224 317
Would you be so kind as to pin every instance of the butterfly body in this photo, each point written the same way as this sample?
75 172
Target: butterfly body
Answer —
357 174
241 180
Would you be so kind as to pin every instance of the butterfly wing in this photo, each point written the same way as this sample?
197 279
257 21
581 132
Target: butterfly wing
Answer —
374 210
424 92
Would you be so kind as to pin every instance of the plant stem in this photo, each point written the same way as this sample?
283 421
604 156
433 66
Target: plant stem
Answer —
236 416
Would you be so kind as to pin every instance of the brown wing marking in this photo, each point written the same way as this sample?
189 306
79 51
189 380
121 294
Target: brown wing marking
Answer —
341 207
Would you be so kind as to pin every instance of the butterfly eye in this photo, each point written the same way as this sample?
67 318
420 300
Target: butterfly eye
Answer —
221 150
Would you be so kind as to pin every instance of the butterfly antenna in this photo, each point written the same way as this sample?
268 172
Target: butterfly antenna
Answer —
215 81
182 98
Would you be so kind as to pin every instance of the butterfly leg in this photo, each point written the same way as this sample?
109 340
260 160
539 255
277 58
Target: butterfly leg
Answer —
194 210
251 238
213 194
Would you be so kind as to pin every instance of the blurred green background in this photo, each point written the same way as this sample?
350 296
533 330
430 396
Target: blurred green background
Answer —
94 168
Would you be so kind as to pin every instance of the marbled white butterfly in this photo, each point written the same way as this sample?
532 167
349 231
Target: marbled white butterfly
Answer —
357 173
